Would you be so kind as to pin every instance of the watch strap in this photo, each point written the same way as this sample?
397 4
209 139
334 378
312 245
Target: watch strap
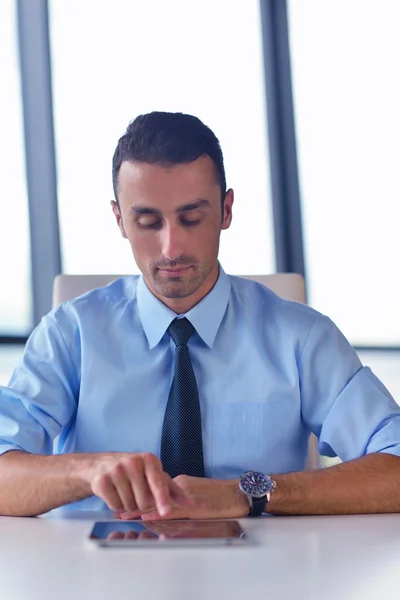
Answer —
258 506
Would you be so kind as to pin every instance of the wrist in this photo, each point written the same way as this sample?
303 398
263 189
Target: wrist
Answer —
279 496
257 488
84 467
241 501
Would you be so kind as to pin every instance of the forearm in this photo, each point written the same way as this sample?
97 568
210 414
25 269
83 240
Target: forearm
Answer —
370 484
34 484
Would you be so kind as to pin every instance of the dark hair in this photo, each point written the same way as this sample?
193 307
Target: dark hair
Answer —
168 139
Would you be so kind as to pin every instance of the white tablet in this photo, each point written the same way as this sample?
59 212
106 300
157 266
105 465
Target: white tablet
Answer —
167 533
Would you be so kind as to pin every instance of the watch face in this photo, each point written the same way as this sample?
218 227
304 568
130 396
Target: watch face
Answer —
255 484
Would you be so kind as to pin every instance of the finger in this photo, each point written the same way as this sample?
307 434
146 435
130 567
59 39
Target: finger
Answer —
158 484
104 488
152 516
131 535
144 499
174 513
127 515
122 483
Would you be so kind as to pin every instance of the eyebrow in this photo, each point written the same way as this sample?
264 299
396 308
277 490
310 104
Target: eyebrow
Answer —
139 209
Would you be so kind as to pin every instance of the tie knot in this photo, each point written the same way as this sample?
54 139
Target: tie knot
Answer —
180 330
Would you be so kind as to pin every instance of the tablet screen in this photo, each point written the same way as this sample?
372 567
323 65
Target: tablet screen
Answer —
134 533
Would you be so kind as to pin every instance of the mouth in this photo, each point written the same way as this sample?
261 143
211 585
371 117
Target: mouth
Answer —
175 272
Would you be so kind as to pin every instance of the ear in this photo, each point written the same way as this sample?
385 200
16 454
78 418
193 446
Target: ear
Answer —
227 216
117 214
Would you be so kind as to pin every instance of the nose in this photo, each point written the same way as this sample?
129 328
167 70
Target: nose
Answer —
172 241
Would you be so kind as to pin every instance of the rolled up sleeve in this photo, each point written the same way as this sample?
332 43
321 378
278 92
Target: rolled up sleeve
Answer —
344 403
41 397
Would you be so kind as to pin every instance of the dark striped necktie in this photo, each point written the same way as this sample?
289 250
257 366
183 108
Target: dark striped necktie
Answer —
181 440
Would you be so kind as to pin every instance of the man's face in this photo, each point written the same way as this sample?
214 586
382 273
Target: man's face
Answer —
172 219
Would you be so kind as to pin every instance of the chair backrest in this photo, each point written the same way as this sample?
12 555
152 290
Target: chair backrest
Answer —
290 286
66 287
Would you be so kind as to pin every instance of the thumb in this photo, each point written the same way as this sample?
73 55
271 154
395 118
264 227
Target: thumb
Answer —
175 513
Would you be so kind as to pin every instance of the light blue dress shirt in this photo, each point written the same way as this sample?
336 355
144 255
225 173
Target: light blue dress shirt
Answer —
97 371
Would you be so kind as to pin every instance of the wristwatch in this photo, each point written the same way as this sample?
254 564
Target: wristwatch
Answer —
257 487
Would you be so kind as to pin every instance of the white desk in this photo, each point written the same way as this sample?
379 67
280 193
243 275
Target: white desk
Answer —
328 558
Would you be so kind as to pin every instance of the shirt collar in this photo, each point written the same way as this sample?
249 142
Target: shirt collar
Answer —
206 316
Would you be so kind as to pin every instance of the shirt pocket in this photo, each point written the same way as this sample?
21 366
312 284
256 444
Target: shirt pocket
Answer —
246 433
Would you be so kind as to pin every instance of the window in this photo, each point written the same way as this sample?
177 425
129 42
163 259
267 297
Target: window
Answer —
347 98
129 58
15 297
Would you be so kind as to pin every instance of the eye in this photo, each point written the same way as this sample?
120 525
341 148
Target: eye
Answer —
149 225
190 222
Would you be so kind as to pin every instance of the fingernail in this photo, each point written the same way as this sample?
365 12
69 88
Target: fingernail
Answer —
164 509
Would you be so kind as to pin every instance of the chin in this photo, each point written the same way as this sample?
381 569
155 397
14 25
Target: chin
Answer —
175 290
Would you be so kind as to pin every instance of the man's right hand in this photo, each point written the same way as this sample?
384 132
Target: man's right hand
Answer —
133 483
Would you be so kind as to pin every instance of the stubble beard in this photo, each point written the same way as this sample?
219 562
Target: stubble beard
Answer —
183 286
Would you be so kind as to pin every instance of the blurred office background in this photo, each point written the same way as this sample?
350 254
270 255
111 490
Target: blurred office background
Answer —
304 97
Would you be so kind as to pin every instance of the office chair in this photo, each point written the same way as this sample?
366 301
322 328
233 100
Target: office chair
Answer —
66 287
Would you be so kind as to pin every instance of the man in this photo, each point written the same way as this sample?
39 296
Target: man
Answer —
164 390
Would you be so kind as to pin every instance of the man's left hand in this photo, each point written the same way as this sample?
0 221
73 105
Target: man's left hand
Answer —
208 499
